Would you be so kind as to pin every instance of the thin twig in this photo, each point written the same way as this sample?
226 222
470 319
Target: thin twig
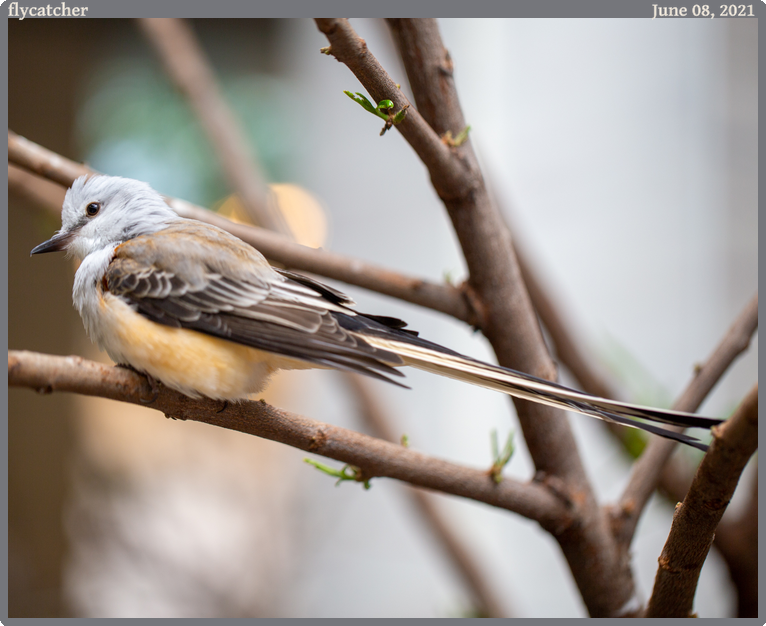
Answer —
486 601
190 71
647 470
695 520
278 248
374 458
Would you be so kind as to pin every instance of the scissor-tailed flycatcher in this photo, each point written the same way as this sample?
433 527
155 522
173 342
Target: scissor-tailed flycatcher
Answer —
205 314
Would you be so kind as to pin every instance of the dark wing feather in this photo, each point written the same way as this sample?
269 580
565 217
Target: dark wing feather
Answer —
330 294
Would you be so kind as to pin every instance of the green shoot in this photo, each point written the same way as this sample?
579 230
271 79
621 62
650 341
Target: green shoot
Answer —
382 110
500 459
345 473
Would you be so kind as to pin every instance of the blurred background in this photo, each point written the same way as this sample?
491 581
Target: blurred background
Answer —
622 153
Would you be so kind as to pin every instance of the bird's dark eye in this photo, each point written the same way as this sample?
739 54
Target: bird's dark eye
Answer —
93 208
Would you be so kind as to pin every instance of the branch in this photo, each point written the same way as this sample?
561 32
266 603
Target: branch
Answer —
505 314
188 68
734 540
497 291
647 470
486 601
278 248
374 457
695 520
348 48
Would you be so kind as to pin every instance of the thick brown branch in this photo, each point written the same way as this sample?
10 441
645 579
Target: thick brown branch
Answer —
695 520
648 469
374 457
429 71
505 313
508 319
278 248
188 68
506 316
734 540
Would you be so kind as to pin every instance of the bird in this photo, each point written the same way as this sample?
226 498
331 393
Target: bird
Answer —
205 314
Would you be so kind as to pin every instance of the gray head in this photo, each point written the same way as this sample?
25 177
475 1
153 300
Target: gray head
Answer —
105 210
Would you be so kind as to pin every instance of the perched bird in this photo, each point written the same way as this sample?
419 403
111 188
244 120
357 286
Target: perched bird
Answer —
204 313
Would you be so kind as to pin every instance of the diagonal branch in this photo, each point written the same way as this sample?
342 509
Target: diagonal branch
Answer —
733 539
505 314
374 458
696 519
504 311
647 470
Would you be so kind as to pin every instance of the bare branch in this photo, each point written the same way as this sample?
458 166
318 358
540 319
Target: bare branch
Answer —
486 601
375 458
278 248
733 539
505 313
188 68
496 289
695 520
648 469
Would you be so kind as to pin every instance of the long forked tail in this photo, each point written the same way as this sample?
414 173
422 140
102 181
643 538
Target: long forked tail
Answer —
420 354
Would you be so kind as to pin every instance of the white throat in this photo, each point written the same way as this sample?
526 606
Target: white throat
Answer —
86 291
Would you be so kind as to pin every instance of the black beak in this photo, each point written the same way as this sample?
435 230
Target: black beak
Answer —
55 244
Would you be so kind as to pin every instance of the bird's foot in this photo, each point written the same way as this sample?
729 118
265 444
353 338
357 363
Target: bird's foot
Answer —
154 385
